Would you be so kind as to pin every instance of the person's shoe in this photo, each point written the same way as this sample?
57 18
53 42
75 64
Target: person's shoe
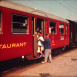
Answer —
44 62
43 56
40 55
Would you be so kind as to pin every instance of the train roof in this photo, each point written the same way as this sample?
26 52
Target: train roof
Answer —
19 7
72 21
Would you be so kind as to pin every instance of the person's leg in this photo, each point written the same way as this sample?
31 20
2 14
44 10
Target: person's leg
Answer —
50 57
38 51
46 55
42 48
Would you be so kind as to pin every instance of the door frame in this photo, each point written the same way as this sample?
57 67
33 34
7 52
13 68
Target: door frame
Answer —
43 31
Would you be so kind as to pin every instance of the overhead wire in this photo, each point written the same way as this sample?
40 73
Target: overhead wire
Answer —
65 6
50 9
71 6
43 6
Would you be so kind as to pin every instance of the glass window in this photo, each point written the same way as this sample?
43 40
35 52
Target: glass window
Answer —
61 28
0 22
19 24
52 27
66 29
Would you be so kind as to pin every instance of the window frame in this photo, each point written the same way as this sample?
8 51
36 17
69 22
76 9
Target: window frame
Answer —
27 22
1 22
55 27
67 29
61 28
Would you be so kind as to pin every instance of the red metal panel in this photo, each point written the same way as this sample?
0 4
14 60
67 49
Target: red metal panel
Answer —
14 45
56 41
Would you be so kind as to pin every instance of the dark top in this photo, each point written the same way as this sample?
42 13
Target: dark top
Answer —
47 43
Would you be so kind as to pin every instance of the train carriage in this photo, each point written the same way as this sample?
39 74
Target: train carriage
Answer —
19 26
73 32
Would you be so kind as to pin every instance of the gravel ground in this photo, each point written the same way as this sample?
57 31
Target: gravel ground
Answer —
63 65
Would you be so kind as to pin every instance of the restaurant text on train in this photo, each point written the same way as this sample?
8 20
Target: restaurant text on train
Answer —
12 45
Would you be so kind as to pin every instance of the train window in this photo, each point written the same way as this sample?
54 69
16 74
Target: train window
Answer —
52 27
0 22
61 28
19 24
66 29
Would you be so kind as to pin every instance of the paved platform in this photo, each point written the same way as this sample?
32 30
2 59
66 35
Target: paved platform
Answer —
63 65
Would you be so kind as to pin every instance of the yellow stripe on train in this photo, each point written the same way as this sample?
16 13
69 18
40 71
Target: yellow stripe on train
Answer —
12 45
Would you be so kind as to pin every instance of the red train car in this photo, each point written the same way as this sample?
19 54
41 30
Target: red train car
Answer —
18 30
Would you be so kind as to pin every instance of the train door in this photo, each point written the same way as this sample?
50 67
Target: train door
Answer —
38 26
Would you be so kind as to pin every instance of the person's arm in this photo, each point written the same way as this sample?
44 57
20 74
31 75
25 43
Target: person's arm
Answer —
43 41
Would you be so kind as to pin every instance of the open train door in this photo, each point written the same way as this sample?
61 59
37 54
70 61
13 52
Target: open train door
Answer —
35 37
38 26
44 28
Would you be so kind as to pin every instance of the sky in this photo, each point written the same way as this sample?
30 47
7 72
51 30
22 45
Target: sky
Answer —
66 9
